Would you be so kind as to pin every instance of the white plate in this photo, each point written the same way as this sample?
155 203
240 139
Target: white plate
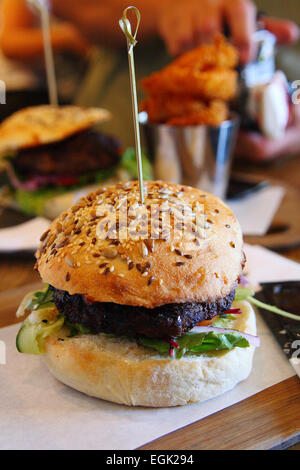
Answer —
23 237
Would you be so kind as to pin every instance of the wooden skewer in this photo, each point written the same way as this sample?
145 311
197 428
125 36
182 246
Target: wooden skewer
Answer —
131 42
42 7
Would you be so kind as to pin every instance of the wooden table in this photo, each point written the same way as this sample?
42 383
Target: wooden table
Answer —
270 419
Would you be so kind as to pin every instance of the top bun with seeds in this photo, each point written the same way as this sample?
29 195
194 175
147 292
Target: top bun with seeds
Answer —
39 125
85 252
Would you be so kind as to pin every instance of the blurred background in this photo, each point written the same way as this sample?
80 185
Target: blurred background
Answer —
233 129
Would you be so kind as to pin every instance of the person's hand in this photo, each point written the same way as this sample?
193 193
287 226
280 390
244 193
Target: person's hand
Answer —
285 31
184 25
253 146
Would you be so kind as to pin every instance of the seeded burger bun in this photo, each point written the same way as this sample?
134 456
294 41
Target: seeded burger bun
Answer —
37 125
190 270
148 273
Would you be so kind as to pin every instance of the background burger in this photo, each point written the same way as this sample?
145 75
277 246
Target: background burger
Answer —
52 151
142 321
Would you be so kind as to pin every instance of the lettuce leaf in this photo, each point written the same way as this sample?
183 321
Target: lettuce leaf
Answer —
42 299
129 163
33 202
243 293
190 343
77 329
197 343
36 300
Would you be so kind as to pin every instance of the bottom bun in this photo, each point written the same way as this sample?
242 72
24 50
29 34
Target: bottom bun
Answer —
120 371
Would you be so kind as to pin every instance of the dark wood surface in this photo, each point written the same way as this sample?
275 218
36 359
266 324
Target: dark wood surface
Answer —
266 420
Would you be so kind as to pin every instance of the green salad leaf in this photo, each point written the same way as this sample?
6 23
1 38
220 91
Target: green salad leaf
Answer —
129 163
42 299
36 300
77 329
197 343
224 321
243 293
33 202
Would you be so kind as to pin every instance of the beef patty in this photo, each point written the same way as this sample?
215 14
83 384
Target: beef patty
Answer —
166 321
81 153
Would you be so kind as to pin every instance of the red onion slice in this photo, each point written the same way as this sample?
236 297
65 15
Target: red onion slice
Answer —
35 182
243 281
235 311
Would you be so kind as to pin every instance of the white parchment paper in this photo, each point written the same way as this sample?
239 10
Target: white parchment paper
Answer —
256 211
37 412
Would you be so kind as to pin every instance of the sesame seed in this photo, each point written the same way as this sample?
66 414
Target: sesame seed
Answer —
70 261
144 250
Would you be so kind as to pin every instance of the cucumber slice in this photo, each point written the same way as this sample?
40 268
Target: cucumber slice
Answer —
31 337
26 340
